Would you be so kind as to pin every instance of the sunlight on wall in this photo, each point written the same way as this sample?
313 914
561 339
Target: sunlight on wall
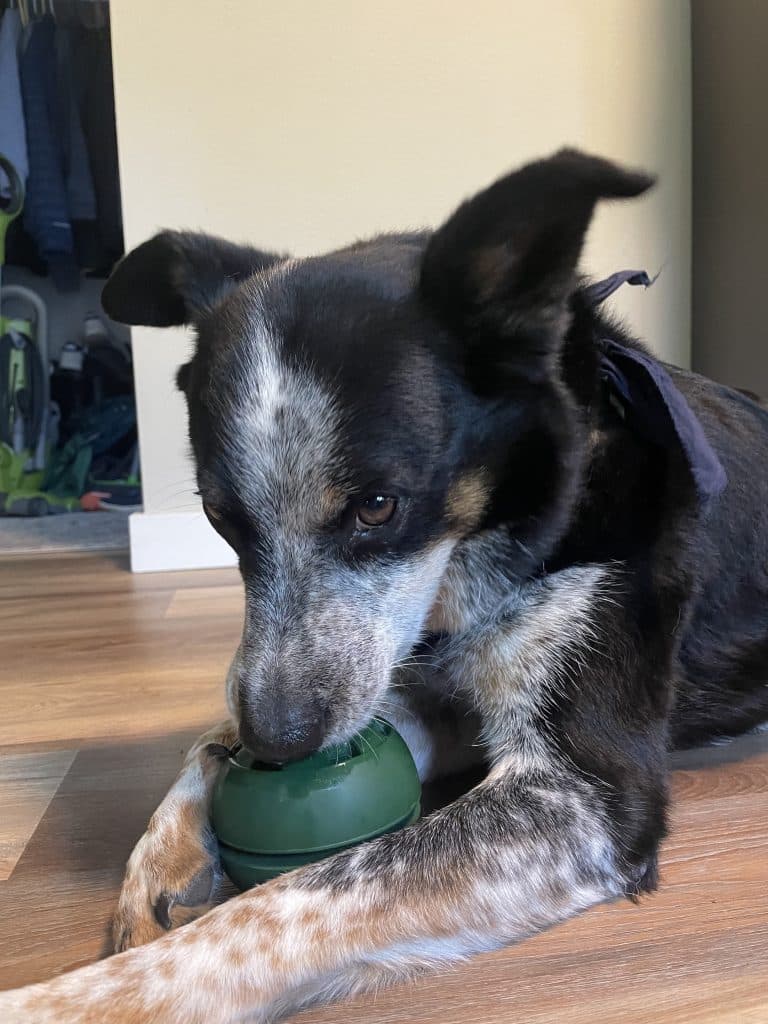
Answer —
301 126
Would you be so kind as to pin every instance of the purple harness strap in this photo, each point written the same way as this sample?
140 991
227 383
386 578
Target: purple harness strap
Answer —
653 405
601 290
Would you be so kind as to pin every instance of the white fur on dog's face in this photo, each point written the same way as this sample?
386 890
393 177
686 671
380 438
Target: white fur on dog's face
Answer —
324 626
327 637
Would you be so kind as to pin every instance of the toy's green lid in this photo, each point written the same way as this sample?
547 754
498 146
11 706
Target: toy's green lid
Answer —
336 797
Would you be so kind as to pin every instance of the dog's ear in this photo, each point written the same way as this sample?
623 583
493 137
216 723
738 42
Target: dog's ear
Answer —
176 277
502 268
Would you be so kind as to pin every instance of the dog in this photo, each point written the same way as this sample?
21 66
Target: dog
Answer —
463 499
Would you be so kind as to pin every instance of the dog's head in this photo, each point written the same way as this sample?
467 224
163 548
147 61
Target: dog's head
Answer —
355 417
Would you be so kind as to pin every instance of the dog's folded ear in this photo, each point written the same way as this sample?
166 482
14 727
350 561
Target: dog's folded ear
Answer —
502 268
176 277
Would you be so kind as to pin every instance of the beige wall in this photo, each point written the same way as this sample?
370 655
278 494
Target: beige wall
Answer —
730 175
301 125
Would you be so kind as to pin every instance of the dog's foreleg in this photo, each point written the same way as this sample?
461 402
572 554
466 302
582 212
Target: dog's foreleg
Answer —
173 871
512 856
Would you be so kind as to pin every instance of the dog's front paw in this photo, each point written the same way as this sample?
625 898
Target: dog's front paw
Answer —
172 878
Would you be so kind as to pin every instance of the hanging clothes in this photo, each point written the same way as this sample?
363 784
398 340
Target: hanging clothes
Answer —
81 197
92 68
73 220
46 211
13 134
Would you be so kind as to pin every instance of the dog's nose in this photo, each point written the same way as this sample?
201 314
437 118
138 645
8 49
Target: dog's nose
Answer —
290 744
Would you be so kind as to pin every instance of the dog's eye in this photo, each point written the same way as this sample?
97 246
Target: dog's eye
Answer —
375 510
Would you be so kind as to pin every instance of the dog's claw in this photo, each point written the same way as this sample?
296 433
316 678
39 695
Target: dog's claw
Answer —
218 750
198 893
163 911
152 901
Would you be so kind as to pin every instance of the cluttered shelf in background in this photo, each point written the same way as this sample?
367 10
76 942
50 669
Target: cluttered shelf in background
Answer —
68 441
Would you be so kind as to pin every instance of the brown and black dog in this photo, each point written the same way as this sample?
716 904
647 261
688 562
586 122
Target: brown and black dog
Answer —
464 500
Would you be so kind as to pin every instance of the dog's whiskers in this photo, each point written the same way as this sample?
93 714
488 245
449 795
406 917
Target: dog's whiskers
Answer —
395 707
369 745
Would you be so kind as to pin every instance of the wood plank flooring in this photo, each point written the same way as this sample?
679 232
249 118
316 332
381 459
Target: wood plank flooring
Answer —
106 677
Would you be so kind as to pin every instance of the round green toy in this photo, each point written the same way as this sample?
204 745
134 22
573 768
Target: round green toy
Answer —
272 818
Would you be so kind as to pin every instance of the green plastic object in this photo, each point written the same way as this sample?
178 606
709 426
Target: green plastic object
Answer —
272 818
11 210
21 492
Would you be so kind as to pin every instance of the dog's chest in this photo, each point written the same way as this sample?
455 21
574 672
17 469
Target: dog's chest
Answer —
516 654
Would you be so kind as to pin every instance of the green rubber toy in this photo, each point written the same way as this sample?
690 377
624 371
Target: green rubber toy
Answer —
272 818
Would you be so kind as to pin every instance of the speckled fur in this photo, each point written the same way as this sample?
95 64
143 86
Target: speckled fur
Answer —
551 600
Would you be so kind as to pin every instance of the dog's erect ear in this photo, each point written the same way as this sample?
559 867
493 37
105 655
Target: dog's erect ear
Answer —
503 265
176 277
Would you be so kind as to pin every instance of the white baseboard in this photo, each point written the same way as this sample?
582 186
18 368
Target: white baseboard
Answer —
176 540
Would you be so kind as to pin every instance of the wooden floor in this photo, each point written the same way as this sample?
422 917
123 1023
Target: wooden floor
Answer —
105 677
